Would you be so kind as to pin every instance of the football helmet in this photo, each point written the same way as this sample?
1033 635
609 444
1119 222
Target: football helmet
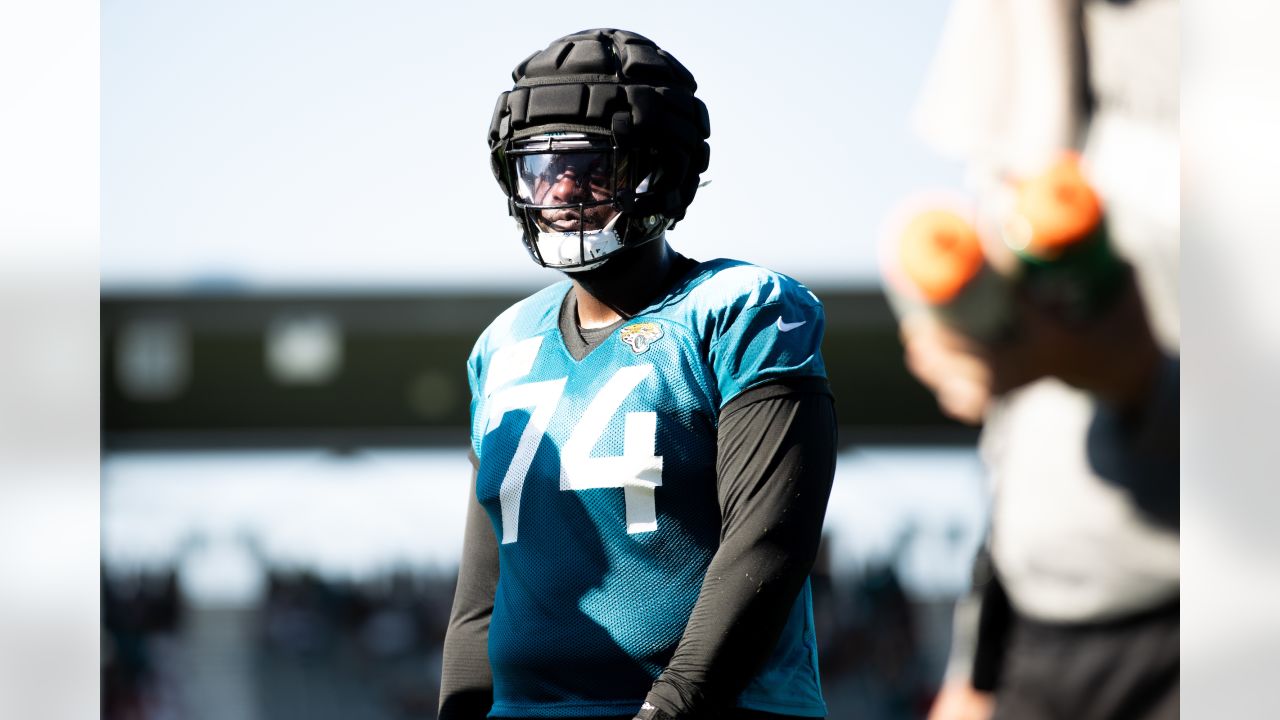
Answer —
598 147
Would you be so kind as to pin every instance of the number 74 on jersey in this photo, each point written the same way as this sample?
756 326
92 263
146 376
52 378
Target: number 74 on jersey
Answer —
638 470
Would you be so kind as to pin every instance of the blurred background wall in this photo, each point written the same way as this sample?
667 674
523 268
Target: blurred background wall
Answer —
301 240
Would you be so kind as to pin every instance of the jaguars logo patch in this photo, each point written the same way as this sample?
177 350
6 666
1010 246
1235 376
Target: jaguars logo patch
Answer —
640 336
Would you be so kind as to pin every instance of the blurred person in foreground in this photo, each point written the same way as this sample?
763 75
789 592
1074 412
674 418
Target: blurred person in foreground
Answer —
653 437
1078 617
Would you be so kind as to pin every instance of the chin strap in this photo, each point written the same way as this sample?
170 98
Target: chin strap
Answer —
568 249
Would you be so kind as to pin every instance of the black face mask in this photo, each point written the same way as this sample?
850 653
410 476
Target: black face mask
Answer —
580 198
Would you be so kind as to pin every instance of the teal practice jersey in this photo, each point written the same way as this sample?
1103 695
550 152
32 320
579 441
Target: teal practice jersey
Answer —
600 478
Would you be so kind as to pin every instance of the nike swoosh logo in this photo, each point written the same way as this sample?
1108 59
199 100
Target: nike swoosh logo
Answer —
788 327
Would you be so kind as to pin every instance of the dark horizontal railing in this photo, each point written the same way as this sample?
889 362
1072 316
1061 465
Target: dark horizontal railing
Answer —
192 371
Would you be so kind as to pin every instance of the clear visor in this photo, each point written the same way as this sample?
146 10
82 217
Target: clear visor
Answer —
571 183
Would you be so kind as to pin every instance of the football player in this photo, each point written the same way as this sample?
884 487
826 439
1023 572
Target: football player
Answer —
653 437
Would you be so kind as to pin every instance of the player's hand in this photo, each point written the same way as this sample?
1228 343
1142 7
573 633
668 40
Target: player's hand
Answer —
965 374
1115 357
959 701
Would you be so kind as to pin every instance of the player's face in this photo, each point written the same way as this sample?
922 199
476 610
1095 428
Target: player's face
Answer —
576 181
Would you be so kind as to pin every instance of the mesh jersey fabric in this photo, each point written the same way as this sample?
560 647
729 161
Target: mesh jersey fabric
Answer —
599 478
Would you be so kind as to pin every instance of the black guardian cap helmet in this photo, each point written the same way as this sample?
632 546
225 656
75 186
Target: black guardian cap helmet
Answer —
598 147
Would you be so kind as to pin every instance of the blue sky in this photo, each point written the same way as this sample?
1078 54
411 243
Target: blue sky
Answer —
341 144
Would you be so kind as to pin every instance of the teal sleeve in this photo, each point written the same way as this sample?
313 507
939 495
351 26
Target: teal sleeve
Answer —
776 339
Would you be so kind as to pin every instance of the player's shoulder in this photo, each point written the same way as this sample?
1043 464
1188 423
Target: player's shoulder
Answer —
725 285
524 319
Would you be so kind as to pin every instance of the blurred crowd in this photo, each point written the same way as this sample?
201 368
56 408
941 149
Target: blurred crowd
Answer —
319 647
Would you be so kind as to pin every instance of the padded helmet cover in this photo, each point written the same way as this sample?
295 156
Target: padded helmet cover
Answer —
613 82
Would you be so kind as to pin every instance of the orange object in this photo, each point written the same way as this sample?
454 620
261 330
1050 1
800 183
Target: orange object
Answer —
940 254
1059 207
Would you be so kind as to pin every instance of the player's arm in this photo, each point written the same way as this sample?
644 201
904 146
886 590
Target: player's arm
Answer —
466 683
774 472
1115 357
